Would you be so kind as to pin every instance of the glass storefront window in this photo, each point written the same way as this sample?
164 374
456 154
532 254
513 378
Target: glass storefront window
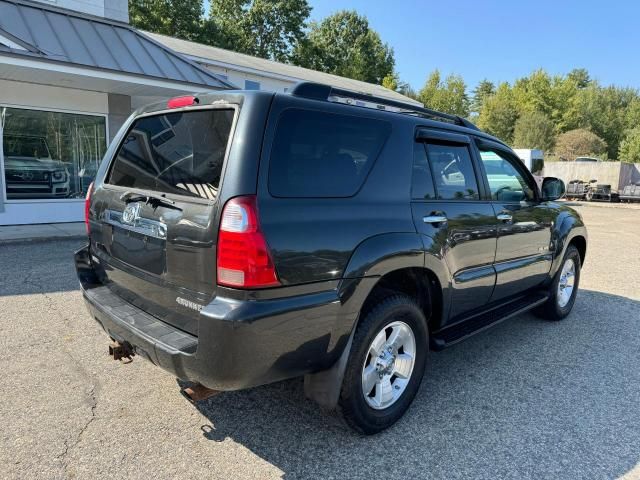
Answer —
50 155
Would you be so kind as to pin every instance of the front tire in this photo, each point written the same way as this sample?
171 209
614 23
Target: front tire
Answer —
386 364
564 288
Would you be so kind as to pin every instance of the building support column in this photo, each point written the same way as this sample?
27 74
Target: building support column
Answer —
119 111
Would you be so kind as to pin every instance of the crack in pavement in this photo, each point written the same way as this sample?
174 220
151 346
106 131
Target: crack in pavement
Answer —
62 457
92 394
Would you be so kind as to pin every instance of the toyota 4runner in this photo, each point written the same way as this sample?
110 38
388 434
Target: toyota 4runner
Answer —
243 237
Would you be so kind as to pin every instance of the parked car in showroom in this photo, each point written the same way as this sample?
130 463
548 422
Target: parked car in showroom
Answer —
245 237
29 170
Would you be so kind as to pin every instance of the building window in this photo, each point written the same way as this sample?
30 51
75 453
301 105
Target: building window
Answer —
50 155
251 85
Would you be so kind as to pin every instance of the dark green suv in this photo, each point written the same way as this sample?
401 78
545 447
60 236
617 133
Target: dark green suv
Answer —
244 237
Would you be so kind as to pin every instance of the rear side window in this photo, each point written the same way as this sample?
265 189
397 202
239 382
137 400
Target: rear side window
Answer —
452 172
319 154
180 153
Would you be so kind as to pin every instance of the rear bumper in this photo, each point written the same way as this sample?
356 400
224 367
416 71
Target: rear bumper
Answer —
240 344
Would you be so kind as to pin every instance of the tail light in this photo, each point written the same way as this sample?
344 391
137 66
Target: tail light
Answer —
244 260
87 207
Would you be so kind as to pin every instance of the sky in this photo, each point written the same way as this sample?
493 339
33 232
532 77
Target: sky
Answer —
502 40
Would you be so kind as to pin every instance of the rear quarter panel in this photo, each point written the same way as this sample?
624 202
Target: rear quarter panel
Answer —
312 239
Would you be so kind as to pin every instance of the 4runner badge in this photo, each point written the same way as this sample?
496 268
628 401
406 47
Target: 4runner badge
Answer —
189 304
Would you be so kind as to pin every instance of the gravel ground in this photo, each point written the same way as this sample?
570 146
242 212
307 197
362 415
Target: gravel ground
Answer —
527 399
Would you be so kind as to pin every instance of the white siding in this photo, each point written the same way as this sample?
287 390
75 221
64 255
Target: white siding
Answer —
52 98
237 77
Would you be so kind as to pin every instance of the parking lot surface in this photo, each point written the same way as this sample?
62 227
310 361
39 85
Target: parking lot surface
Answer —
526 399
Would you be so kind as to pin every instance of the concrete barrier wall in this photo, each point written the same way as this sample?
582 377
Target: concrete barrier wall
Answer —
616 174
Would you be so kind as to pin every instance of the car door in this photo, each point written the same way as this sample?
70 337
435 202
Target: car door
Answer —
457 222
523 255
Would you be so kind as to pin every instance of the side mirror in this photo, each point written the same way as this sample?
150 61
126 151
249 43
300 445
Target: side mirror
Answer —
552 189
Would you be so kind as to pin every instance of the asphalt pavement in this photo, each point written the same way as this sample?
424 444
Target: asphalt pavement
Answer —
526 399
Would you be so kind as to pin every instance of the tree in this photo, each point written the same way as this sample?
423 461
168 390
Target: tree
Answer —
448 96
603 110
265 28
630 147
344 44
499 113
534 130
579 142
176 18
391 81
580 76
484 90
534 93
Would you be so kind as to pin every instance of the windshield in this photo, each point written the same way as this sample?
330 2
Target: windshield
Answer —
22 146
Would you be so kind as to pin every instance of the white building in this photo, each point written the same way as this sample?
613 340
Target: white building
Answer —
71 71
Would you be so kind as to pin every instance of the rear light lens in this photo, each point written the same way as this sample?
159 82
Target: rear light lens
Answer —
178 102
244 260
87 207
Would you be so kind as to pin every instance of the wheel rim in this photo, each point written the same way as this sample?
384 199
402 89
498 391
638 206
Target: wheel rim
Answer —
566 283
388 365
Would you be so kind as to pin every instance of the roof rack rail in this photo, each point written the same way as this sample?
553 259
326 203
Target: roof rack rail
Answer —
319 91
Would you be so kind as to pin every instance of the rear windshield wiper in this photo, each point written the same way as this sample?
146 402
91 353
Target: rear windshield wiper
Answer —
150 198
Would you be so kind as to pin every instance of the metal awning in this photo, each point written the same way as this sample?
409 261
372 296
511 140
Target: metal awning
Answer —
37 32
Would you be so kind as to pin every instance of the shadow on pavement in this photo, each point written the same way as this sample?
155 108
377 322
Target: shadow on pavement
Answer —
526 399
38 267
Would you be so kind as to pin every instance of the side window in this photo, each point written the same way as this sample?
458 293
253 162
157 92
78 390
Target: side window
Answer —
452 172
319 154
506 182
422 181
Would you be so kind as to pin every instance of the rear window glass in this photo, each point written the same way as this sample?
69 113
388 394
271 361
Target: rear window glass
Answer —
180 153
318 154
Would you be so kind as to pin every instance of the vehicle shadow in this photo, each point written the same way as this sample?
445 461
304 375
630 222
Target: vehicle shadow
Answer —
526 399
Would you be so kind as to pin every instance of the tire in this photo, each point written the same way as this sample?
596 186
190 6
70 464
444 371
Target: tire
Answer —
558 306
387 319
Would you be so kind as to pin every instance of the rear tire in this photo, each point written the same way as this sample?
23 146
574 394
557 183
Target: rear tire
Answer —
563 289
387 360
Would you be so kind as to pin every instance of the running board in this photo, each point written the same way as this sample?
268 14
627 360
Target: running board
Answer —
465 328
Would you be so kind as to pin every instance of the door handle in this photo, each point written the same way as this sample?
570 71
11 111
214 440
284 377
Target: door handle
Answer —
504 217
435 219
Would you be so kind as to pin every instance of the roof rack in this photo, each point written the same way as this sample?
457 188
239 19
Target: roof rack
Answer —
318 91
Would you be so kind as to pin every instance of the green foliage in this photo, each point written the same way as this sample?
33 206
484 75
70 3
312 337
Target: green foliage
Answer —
570 102
630 146
534 130
602 110
484 90
344 44
579 143
391 81
177 18
263 28
447 96
499 113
